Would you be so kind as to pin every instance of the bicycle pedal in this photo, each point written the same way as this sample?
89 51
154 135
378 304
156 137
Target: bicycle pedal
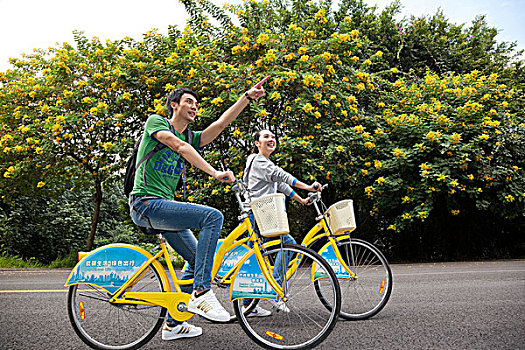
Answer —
182 307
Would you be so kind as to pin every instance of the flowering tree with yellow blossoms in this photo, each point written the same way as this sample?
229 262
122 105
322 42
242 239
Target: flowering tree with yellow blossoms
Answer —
441 149
410 151
66 115
319 68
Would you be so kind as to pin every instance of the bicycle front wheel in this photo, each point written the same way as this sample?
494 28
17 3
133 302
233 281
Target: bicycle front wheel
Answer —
300 320
104 325
364 295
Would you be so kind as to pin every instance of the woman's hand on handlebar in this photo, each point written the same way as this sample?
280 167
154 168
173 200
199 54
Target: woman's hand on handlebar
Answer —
315 194
225 176
305 201
315 187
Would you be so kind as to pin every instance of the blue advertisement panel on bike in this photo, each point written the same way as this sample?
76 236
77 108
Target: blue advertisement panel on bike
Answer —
107 268
249 282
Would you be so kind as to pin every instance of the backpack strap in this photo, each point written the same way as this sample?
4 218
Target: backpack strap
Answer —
147 157
246 175
150 154
189 139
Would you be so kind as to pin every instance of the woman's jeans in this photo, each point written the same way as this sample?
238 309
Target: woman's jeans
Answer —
287 239
174 220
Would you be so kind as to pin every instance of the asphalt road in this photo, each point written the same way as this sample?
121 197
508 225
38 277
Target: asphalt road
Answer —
470 305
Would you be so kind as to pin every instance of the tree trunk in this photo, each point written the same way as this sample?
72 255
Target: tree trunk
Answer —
96 214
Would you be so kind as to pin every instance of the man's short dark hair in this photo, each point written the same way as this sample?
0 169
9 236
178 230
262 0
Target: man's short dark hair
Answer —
175 97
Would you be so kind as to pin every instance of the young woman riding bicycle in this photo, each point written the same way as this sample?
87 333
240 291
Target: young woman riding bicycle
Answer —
263 177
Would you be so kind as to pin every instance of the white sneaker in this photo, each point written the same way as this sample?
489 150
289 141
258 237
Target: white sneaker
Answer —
183 330
208 307
258 312
280 306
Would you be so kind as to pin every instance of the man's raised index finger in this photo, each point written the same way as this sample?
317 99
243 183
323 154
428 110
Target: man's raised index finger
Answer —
259 84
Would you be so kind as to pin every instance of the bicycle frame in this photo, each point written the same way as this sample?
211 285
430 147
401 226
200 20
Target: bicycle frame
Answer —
168 299
320 230
176 301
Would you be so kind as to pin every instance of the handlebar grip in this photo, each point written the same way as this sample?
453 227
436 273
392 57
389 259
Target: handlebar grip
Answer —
316 187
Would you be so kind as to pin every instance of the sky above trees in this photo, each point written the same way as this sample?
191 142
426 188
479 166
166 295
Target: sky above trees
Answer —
36 24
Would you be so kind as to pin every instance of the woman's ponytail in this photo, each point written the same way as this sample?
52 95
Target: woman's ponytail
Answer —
256 137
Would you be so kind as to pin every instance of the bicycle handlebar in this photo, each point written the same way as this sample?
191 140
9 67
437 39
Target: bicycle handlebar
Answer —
240 187
316 196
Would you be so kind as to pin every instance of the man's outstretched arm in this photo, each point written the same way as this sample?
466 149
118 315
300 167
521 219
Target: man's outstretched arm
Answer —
215 128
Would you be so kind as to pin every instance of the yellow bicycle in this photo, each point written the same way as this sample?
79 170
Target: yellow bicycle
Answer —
363 271
119 293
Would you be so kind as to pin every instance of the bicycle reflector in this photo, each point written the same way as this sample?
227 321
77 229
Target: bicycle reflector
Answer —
274 335
382 287
82 310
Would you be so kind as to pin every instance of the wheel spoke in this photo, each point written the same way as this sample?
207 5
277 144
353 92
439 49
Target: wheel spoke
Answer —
108 325
368 293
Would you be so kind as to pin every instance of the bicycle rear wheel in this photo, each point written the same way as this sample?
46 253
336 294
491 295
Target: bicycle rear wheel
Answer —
104 325
368 293
301 321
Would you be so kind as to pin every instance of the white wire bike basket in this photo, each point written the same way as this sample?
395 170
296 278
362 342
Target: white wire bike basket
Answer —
340 217
270 214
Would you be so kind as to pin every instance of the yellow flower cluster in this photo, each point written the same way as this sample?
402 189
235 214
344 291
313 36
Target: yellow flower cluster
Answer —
275 96
308 108
217 101
369 191
10 171
359 129
320 16
424 166
455 138
433 135
399 153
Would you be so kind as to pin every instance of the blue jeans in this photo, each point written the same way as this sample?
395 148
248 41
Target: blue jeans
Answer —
287 239
174 220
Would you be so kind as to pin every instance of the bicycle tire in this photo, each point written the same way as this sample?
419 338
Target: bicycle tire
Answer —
308 322
367 294
103 325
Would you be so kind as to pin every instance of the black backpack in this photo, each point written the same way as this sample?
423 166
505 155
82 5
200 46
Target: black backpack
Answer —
132 165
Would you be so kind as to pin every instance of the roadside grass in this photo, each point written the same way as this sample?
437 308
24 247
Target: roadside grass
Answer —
68 261
9 261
